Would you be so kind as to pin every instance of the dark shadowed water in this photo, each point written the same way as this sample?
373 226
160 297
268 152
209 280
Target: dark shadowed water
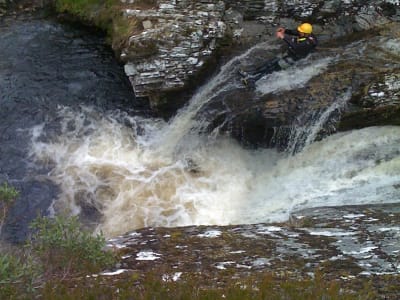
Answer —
45 65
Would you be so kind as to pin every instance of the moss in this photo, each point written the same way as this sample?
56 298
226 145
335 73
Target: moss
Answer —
105 15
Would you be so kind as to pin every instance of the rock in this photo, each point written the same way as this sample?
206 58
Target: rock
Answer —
184 37
147 24
348 91
187 32
345 244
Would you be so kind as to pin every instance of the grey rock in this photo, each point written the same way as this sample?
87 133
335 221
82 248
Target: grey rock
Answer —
186 34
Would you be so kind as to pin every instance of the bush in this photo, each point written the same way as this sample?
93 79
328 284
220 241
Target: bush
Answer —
17 277
11 271
8 194
65 249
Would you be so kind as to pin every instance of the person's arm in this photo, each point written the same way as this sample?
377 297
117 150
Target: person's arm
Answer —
283 33
291 40
297 49
292 32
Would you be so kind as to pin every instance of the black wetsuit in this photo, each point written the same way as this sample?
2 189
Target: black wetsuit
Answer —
298 48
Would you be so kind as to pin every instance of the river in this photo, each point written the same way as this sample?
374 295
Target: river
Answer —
43 66
74 140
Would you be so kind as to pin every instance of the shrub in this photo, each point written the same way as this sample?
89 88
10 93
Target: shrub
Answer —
65 249
11 271
8 194
17 276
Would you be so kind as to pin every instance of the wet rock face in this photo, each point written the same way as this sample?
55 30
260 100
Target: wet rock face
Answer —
343 243
378 105
352 84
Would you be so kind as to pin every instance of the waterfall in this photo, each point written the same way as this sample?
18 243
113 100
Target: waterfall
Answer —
136 172
303 135
293 77
171 136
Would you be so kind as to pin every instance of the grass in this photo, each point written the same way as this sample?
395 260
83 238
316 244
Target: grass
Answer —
106 15
260 287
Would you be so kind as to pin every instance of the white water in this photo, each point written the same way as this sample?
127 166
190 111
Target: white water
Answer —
145 172
179 132
293 77
302 135
109 168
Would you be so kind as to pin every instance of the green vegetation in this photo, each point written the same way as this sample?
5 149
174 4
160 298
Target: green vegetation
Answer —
17 277
81 8
106 15
58 251
62 246
264 287
99 13
60 259
8 194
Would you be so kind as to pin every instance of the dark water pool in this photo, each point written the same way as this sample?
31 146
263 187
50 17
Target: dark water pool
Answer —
45 65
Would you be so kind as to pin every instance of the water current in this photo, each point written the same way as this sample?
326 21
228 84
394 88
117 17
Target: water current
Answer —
74 140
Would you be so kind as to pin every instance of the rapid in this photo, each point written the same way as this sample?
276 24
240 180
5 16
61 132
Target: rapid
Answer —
120 169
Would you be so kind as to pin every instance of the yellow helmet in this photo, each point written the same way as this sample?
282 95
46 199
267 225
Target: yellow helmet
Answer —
305 28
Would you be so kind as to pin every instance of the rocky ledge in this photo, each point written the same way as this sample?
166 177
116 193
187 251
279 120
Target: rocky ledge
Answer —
346 245
178 37
174 40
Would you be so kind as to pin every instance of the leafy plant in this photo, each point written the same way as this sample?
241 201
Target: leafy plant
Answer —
63 248
17 276
8 194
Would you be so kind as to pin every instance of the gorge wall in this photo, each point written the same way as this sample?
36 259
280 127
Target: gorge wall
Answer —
175 39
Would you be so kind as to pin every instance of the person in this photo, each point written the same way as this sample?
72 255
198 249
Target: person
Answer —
300 43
